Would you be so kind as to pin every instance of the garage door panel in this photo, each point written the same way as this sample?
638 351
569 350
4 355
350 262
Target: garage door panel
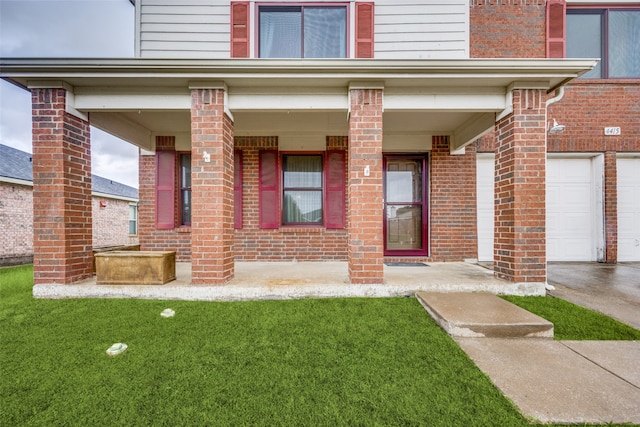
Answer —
628 209
485 200
570 210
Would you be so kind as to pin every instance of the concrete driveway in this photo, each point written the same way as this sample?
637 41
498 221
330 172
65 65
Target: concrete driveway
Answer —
612 289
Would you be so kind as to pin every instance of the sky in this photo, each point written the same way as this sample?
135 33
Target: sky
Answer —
66 29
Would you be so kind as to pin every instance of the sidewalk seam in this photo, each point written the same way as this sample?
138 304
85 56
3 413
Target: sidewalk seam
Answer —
599 365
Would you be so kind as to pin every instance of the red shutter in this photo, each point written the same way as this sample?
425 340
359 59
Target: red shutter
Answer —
240 29
237 189
165 189
335 184
268 170
364 30
556 28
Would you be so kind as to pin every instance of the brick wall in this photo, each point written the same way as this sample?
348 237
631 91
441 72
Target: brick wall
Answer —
507 28
16 217
590 105
62 234
366 239
520 205
111 223
212 188
288 243
152 239
453 203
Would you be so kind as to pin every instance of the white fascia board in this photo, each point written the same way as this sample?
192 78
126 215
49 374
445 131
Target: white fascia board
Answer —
15 181
444 101
238 102
113 99
168 72
113 197
123 128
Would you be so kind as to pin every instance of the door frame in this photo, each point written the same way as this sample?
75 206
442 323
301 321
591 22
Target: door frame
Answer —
424 251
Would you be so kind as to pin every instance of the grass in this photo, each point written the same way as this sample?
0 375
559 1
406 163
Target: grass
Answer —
305 362
572 322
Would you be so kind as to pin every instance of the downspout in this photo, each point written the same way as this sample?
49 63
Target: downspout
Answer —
558 97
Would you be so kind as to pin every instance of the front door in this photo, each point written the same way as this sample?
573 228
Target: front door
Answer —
405 205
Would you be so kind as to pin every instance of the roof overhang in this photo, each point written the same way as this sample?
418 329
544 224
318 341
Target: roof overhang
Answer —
135 98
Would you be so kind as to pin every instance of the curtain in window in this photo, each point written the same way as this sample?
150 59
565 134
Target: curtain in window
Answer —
624 44
584 37
325 32
280 32
302 189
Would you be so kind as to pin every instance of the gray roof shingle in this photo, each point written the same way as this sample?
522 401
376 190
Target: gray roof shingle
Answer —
18 164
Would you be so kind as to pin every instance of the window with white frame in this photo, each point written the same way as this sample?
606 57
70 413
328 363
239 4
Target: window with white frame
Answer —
185 189
612 34
302 31
302 189
133 219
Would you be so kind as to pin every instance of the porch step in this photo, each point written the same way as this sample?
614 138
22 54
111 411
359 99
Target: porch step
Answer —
482 315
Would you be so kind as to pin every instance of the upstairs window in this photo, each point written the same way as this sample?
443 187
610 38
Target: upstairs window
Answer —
610 34
299 31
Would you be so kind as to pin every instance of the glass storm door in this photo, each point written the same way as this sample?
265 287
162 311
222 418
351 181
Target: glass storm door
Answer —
405 205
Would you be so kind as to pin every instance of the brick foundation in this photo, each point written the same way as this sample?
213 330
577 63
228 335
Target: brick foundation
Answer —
62 232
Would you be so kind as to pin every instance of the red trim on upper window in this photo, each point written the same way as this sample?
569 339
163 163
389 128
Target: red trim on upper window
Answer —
240 29
364 30
556 29
165 189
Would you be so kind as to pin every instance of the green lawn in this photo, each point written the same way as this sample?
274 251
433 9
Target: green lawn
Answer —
307 362
572 322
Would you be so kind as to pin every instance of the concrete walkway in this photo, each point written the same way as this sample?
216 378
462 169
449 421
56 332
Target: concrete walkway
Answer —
551 381
612 289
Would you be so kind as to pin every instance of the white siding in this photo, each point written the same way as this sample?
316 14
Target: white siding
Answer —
184 28
404 29
421 29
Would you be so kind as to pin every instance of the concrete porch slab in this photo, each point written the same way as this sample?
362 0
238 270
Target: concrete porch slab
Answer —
287 280
483 315
553 383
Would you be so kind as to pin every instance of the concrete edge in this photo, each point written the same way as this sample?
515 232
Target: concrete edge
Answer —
264 292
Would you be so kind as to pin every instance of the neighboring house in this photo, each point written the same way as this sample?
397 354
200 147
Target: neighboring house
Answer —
364 132
114 209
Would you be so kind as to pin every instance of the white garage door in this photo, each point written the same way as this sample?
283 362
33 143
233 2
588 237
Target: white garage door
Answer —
572 218
628 209
484 182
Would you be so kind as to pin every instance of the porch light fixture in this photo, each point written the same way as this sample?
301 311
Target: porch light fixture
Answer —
556 128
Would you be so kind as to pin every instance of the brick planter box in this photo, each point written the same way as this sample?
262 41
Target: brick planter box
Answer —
135 267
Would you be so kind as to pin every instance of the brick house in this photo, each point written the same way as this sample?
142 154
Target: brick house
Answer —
113 209
355 131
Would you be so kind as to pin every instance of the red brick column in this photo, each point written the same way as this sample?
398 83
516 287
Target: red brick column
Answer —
62 232
611 206
366 249
211 188
520 223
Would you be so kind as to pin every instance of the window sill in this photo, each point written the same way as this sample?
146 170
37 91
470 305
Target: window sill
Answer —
299 229
184 229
